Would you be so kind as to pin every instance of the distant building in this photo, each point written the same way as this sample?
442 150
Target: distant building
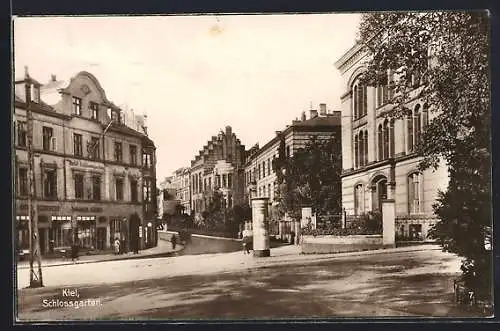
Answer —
218 166
260 178
378 155
88 183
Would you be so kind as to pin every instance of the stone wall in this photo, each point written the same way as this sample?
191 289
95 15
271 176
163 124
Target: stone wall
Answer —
339 244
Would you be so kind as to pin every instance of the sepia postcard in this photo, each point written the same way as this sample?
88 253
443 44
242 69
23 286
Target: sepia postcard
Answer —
262 167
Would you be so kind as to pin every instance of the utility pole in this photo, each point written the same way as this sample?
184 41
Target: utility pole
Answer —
36 279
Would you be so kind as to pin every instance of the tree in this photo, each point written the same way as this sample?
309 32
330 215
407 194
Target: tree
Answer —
442 59
311 177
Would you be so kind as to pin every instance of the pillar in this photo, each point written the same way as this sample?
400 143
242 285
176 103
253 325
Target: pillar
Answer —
260 224
388 223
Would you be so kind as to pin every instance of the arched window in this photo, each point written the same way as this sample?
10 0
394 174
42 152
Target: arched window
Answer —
359 100
386 139
391 138
414 193
425 117
355 101
361 149
356 152
380 143
379 192
409 122
365 149
417 124
358 199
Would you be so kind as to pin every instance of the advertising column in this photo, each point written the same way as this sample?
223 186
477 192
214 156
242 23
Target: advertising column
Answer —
260 224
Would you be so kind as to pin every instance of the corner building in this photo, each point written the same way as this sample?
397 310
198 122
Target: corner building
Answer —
378 155
88 171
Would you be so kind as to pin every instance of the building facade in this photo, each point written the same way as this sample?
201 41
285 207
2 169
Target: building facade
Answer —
218 166
88 168
378 154
260 178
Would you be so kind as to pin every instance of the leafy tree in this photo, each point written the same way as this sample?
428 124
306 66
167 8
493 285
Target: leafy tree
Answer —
442 59
311 177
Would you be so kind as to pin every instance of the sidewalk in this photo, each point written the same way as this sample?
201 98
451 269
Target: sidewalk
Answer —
164 248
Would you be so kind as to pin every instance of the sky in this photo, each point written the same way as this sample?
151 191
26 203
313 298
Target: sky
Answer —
194 75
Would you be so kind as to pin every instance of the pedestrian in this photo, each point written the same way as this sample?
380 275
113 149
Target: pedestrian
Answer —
173 241
74 251
117 246
246 244
292 237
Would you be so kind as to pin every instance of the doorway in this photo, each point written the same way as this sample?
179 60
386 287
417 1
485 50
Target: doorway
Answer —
379 192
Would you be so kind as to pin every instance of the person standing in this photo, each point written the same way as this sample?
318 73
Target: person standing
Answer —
117 246
173 241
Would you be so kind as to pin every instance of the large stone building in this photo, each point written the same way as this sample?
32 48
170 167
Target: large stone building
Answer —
218 166
92 171
378 155
260 178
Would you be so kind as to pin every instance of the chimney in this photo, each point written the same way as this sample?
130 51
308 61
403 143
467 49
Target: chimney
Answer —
26 72
52 78
278 133
303 117
322 109
314 113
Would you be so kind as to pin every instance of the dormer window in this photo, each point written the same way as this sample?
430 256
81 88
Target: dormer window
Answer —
35 93
115 116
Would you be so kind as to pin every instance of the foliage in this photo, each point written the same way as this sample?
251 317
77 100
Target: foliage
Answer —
311 177
442 59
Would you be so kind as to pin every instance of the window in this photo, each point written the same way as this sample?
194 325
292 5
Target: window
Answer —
380 138
50 184
47 137
224 180
269 167
133 190
147 160
361 149
115 116
94 110
258 171
287 151
96 188
359 100
209 183
230 180
217 181
146 190
356 151
21 133
358 199
414 193
118 152
35 93
204 184
133 154
77 106
416 124
23 182
78 179
264 169
119 188
77 144
94 151
269 190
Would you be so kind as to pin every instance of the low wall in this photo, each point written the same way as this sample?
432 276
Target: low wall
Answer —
339 244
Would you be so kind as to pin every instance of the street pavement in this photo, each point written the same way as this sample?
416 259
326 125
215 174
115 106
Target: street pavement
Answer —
410 281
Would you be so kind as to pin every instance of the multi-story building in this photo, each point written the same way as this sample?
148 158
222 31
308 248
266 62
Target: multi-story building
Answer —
87 165
378 154
183 191
260 177
218 166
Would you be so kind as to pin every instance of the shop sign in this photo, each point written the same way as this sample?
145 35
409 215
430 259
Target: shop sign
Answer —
80 163
87 209
140 231
41 207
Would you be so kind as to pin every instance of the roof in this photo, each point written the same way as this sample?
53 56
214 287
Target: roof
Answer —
329 120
